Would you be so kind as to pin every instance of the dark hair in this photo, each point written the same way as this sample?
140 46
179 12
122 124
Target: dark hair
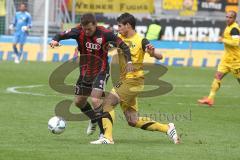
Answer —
22 3
127 18
88 18
234 14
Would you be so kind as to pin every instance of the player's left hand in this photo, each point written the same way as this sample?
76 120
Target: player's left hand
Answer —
152 52
150 49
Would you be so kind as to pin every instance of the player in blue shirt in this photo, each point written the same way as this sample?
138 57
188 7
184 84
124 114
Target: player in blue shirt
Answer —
21 24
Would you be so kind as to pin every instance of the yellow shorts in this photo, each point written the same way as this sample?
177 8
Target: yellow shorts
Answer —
128 91
226 67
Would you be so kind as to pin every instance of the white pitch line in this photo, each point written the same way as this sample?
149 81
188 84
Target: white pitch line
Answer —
14 90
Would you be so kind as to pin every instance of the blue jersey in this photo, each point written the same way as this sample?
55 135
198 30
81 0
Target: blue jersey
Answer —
22 19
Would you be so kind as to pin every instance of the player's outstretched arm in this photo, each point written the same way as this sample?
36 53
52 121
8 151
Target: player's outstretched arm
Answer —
68 34
13 24
150 49
127 55
29 24
153 52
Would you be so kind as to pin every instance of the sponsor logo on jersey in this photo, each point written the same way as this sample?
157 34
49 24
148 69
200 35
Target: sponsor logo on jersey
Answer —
93 46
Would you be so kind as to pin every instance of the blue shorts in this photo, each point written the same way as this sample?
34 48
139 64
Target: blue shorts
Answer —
20 38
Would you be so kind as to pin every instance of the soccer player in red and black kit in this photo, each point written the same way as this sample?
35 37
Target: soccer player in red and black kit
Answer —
94 68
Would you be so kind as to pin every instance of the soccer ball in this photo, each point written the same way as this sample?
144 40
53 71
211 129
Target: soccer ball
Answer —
56 125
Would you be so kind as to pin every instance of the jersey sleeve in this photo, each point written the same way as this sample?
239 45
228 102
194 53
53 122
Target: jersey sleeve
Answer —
14 22
234 41
29 22
111 37
234 32
145 42
68 34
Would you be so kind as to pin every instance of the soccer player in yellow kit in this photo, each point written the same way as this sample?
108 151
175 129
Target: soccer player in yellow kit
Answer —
130 85
231 58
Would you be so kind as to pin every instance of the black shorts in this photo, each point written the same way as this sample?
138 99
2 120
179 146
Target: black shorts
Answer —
84 86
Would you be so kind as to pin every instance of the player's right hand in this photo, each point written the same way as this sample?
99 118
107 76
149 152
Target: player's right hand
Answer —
11 27
54 44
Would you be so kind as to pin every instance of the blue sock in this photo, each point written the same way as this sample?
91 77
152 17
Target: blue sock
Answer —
21 51
15 50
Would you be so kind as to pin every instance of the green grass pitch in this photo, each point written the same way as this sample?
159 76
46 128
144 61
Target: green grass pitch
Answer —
206 133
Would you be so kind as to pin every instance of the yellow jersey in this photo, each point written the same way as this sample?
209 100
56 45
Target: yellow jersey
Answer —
137 45
231 41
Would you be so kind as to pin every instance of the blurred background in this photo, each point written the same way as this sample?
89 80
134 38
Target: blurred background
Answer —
186 31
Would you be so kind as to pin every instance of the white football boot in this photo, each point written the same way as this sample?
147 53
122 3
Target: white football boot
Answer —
91 128
16 59
102 141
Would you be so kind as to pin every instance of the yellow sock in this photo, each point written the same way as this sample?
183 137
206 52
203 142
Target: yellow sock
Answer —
214 88
107 122
150 125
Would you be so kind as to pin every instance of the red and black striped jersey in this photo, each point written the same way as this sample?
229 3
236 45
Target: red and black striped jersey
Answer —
93 50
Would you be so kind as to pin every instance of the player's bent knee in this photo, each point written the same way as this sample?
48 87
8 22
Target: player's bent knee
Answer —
110 100
132 123
96 102
77 103
131 116
132 120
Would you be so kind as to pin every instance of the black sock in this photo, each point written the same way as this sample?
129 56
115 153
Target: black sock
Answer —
98 118
95 115
88 111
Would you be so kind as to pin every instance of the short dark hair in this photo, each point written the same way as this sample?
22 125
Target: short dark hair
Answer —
127 18
22 3
88 18
234 14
